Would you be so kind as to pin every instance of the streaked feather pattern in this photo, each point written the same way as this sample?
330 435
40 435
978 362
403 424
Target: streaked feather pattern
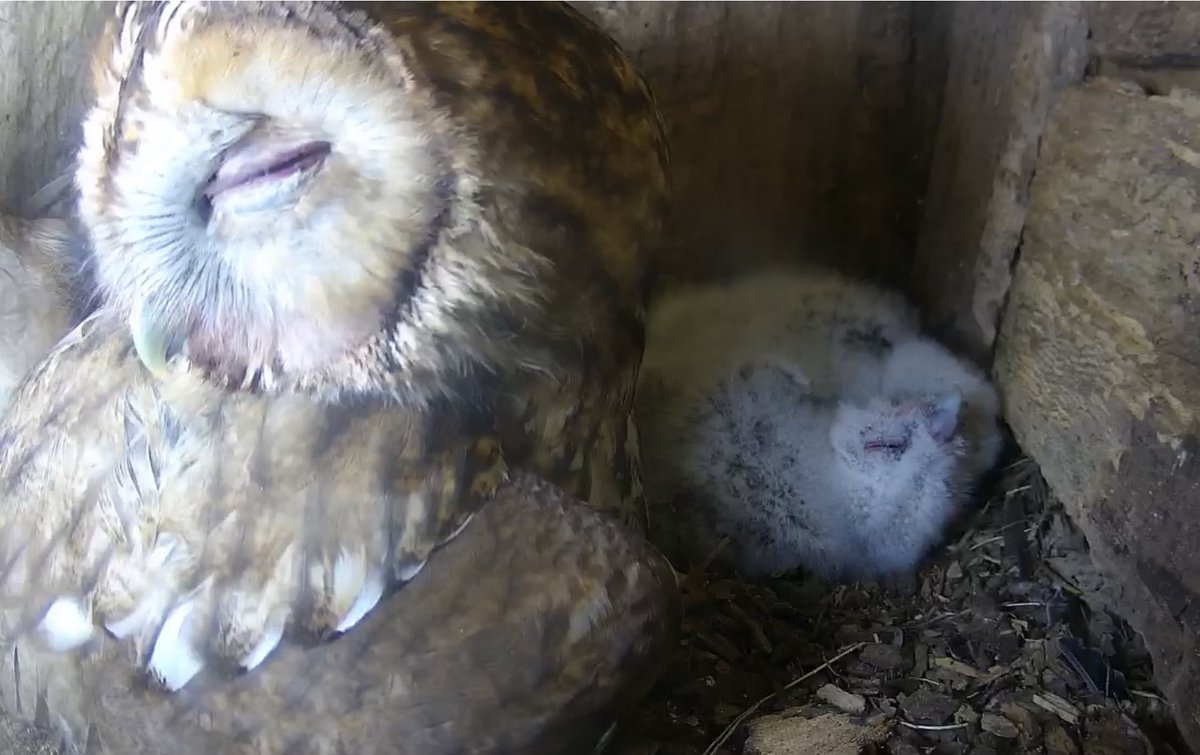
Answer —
312 480
161 493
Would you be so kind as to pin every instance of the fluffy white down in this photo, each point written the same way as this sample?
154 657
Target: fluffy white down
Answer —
747 388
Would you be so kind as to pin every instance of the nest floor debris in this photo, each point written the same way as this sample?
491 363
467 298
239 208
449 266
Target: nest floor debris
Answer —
1004 644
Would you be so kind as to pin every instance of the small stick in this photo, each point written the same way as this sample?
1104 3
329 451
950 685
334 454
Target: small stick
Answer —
929 727
733 725
988 541
934 682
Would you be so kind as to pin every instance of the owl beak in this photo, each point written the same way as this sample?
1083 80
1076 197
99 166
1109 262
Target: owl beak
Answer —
151 341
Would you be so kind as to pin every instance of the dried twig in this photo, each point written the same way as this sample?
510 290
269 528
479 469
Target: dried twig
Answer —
931 727
988 541
1149 695
735 723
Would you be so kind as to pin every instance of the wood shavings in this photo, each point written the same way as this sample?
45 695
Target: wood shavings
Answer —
847 702
979 637
1051 702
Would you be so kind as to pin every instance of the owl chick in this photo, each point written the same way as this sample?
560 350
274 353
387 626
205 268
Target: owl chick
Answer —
838 336
358 267
920 365
38 264
733 383
832 328
844 490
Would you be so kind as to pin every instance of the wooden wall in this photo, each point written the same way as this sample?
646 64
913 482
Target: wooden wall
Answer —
800 130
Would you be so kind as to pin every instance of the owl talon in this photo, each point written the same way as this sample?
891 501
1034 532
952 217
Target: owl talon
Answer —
270 640
458 530
174 661
66 625
368 597
409 572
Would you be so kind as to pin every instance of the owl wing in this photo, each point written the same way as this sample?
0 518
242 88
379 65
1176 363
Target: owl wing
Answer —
530 632
202 526
144 527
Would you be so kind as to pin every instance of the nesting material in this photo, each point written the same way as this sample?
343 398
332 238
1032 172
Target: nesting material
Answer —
825 734
847 702
1003 633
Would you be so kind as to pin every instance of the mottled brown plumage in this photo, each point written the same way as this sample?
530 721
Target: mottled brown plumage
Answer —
357 272
496 185
38 265
483 653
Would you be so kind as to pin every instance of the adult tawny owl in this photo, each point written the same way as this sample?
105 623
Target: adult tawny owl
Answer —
366 273
39 264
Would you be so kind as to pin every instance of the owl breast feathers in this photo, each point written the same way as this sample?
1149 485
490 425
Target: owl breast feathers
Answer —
371 299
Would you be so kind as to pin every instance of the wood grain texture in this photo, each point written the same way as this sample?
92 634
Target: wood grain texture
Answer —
798 130
44 83
1098 354
1007 63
